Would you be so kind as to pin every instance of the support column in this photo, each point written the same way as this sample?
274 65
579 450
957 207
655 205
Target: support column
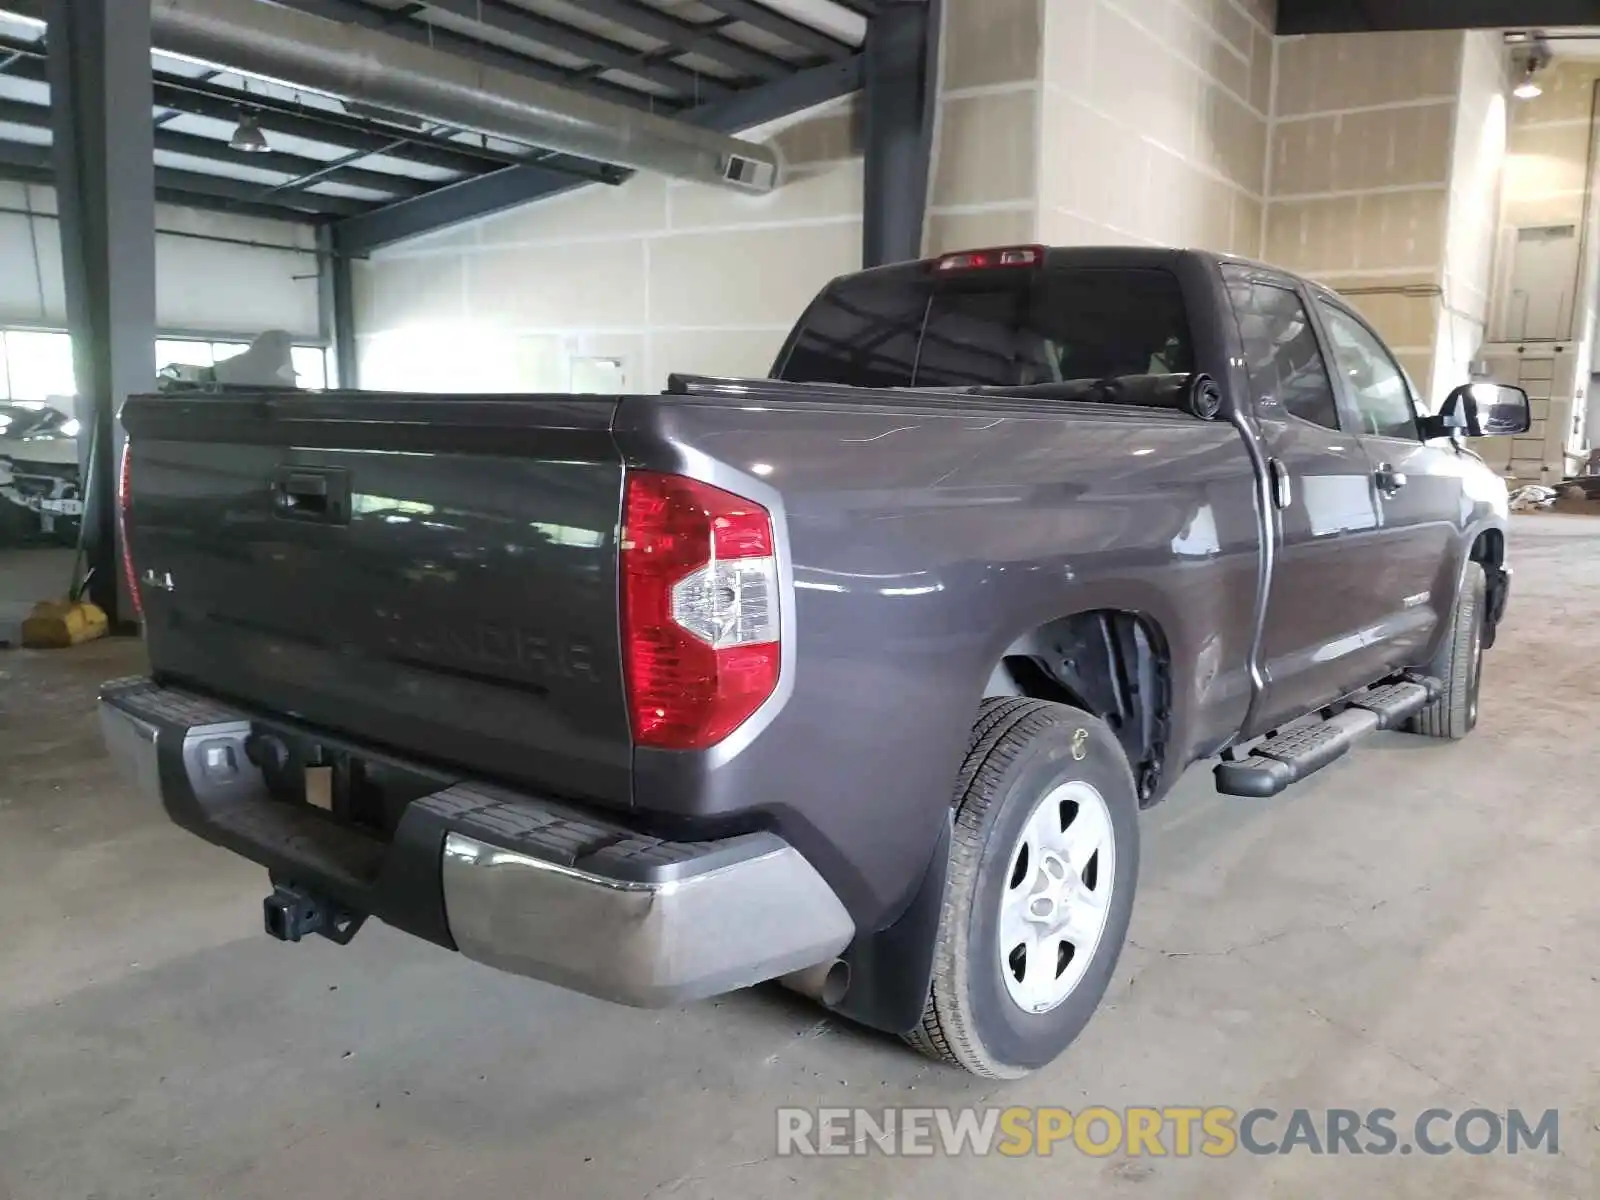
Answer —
337 302
104 166
900 84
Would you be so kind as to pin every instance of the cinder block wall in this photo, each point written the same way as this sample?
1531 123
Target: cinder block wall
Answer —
1359 179
1081 122
1069 121
664 275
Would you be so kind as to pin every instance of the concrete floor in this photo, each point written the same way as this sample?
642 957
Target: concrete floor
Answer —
1419 926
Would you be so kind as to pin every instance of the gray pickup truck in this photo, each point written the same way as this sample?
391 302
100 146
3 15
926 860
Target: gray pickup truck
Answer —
855 677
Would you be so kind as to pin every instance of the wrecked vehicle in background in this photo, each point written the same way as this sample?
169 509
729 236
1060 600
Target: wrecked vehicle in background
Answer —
40 479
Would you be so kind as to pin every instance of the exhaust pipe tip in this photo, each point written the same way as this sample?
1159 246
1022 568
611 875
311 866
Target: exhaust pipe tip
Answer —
826 982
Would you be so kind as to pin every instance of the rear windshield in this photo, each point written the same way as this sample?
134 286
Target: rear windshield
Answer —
1003 328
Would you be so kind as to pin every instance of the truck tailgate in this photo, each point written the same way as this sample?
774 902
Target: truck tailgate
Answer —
436 575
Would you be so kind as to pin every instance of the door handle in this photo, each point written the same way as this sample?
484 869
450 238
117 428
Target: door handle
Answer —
1389 480
302 494
1282 485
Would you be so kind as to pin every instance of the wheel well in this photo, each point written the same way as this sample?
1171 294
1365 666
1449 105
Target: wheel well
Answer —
1108 662
1490 550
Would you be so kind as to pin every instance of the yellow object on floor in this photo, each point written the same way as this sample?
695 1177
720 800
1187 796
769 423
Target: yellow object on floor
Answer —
54 624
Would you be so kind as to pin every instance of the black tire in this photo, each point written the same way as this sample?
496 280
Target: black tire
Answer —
1459 666
1021 750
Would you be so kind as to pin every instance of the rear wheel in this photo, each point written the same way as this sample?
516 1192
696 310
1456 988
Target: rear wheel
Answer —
1459 666
1044 862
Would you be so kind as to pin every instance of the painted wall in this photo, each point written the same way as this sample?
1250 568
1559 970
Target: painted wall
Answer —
201 286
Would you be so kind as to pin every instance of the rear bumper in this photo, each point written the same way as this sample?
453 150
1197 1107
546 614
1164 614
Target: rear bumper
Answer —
524 884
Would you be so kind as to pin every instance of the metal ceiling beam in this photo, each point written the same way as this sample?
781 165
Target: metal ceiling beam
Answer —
385 73
27 157
770 21
1360 16
353 12
900 87
450 205
519 22
516 186
327 126
794 93
689 37
202 98
45 177
399 186
36 116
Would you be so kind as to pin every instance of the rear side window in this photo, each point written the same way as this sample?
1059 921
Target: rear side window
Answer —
1000 329
1281 351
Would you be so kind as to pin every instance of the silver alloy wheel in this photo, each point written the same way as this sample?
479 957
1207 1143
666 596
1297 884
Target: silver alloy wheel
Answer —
1057 897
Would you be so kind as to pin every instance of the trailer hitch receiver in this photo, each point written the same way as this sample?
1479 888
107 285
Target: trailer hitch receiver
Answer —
292 913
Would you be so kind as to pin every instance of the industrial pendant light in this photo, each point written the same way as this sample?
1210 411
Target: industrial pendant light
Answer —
247 136
1533 57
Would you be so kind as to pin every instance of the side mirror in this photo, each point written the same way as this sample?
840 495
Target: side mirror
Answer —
1483 410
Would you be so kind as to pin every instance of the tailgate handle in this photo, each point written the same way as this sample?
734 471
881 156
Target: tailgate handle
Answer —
304 494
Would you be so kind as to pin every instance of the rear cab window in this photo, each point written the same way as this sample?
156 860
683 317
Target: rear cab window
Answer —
997 327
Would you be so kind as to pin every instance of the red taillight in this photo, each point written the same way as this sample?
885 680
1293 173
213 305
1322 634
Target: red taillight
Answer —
1001 256
699 610
124 503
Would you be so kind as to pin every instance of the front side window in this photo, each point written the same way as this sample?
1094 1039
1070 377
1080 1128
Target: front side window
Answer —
1378 386
1281 352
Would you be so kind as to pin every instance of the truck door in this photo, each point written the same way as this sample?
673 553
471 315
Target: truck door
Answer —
1318 640
1412 570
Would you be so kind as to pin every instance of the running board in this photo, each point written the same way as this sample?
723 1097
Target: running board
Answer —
1284 759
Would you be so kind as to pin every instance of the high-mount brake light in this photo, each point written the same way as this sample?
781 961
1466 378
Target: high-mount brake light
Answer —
1000 256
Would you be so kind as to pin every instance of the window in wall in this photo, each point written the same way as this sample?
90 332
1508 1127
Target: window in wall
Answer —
1281 351
38 365
1377 384
310 366
35 364
175 350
